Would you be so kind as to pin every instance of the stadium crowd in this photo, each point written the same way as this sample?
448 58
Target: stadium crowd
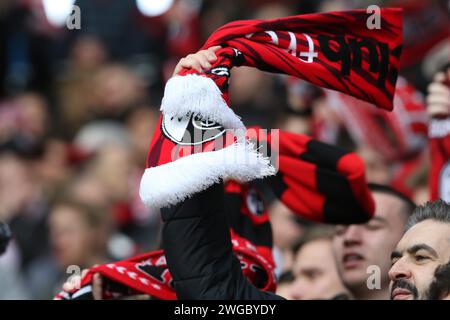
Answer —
78 107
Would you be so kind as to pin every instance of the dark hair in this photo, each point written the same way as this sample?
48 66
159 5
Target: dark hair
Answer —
314 233
286 277
440 287
410 205
438 210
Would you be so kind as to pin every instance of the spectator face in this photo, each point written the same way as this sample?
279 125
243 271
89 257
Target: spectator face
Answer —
422 249
73 240
117 160
359 246
88 53
285 290
117 88
377 168
52 168
33 114
249 85
139 124
89 190
17 187
286 230
316 275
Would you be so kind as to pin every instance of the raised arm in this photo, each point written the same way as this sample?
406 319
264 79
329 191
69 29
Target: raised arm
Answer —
197 245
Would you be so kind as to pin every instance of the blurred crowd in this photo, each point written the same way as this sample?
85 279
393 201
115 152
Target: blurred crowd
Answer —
78 107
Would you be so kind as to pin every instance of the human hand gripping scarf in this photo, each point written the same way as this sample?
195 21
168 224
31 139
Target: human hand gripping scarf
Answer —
309 174
148 274
310 171
192 147
332 50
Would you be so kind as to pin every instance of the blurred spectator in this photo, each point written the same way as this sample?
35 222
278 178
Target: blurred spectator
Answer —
147 222
10 277
34 119
96 135
418 181
254 97
79 233
87 54
117 24
218 13
16 186
78 237
314 267
24 124
74 84
359 248
112 167
25 62
284 285
140 122
438 104
77 109
108 93
24 206
88 189
286 231
53 167
11 280
111 150
302 100
182 24
117 89
426 26
438 99
377 168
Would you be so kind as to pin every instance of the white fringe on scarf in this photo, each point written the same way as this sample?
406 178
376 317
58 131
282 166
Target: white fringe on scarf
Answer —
171 183
199 95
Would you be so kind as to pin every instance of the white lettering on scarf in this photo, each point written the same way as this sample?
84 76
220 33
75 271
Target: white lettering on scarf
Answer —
439 128
292 48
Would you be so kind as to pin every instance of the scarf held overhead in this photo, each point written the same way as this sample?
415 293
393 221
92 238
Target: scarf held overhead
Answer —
334 50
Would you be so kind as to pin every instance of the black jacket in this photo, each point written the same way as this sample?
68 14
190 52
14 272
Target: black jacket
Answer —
198 250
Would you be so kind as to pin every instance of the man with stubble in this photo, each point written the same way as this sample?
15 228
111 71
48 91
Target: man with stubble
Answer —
358 247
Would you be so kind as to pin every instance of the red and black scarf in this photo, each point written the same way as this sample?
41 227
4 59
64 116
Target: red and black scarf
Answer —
148 274
316 181
334 50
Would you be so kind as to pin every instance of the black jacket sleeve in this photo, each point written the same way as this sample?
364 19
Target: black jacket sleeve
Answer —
198 250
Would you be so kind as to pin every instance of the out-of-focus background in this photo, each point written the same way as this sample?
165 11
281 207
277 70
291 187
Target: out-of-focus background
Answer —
78 107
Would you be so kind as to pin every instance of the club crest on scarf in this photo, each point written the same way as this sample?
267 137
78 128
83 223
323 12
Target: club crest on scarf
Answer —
190 129
255 203
333 50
